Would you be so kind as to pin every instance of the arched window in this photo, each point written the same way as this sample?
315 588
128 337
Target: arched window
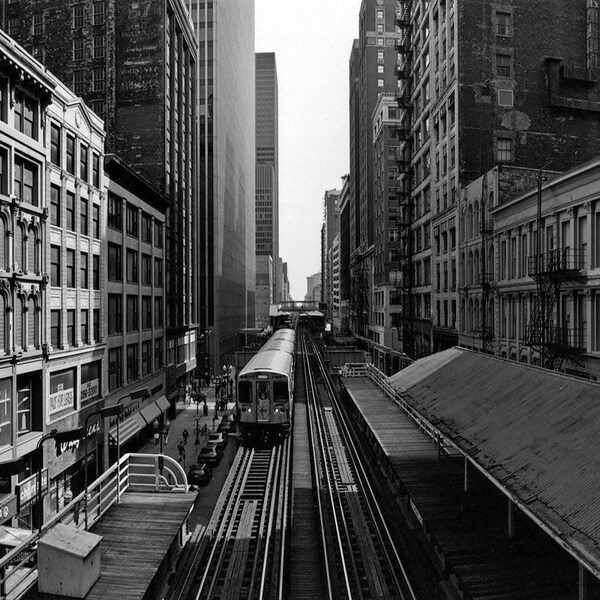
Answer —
490 259
3 328
32 249
33 316
476 314
476 218
470 223
462 269
3 243
476 269
470 269
490 315
18 322
19 248
470 317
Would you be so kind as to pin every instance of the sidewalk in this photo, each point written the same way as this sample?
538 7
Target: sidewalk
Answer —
189 416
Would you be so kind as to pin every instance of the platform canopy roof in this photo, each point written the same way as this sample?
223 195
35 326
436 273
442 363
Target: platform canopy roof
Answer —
534 432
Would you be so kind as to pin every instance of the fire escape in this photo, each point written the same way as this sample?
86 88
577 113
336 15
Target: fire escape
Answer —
552 270
486 273
404 253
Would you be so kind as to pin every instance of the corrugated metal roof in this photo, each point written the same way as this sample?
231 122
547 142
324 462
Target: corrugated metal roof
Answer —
535 431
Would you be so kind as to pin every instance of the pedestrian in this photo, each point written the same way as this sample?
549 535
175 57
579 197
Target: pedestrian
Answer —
181 449
184 436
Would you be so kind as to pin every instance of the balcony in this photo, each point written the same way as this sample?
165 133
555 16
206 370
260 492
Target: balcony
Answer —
564 338
561 260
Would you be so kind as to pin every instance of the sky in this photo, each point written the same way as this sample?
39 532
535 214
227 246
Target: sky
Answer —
312 41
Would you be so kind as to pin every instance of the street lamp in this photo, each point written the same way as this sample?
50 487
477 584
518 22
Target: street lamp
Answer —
109 411
59 437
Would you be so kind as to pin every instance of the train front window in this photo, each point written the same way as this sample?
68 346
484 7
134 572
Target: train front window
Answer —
263 391
245 392
280 391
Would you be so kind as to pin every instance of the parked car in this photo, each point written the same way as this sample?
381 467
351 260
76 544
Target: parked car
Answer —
218 437
199 474
210 454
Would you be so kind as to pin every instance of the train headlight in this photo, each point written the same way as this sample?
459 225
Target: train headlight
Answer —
249 409
275 410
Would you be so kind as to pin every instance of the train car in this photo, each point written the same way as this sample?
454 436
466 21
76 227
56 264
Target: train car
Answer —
265 390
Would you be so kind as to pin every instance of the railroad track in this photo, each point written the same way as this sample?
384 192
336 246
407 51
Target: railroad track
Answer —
240 555
362 561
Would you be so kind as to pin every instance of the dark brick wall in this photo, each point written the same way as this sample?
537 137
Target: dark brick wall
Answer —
544 135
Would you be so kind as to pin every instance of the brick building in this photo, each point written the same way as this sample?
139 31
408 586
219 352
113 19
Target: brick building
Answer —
475 92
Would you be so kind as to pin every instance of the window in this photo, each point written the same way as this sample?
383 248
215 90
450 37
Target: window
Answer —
158 272
96 221
3 170
13 26
83 162
84 326
71 154
98 78
115 212
379 55
70 267
78 16
380 83
55 144
37 51
83 217
115 262
503 24
55 265
98 106
379 13
504 149
379 27
503 65
55 328
55 205
95 272
380 41
146 312
158 234
380 69
146 228
79 48
99 13
132 313
25 111
79 81
83 271
115 368
132 266
96 314
99 46
146 357
25 183
158 312
158 353
132 220
115 317
95 170
70 211
146 269
71 327
132 362
38 23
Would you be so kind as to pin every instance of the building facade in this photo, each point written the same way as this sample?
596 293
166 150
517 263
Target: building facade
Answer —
226 109
135 65
475 92
373 70
541 260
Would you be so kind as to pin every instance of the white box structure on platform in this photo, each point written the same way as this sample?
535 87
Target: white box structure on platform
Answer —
68 561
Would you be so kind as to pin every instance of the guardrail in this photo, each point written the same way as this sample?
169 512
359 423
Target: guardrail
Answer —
134 472
377 377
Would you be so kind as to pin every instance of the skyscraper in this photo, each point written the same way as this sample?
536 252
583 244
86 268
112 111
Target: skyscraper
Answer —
267 171
227 161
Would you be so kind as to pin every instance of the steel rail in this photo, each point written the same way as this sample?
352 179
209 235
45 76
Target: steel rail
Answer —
377 517
331 492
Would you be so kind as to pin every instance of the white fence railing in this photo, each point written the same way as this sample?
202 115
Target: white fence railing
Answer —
134 472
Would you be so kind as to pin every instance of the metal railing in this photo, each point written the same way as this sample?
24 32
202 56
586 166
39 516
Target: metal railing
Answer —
134 472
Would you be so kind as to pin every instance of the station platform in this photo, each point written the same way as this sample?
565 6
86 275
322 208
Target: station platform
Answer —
465 532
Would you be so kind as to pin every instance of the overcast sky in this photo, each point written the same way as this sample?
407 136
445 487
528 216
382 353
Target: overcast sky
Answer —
312 41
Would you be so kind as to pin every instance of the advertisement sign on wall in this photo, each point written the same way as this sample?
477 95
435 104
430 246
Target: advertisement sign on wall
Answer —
62 391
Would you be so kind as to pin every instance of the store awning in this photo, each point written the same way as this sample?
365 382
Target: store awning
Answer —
150 412
163 404
127 429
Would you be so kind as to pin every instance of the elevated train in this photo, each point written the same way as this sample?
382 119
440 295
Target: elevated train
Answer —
265 390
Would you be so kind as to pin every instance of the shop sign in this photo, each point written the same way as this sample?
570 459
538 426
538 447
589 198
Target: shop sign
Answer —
27 490
89 390
8 507
62 391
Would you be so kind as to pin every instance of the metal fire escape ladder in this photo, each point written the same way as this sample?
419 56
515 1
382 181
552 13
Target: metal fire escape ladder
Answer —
405 281
552 270
486 276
